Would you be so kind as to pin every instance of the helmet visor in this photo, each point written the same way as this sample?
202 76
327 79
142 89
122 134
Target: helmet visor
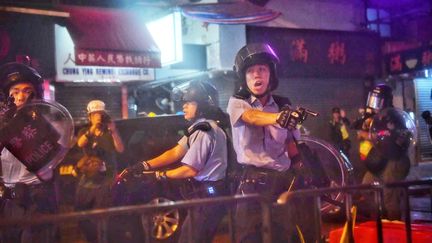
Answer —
375 101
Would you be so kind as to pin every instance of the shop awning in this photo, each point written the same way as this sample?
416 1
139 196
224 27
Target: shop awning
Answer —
108 37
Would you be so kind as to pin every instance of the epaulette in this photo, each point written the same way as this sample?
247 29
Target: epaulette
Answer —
242 94
202 126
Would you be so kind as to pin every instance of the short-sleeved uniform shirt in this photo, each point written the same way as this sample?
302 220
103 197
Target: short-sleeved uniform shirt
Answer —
260 146
206 152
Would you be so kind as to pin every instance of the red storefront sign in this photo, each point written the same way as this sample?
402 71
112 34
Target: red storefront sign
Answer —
108 37
323 54
115 58
409 60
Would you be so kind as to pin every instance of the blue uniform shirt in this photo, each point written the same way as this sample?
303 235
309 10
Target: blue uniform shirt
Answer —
255 145
207 152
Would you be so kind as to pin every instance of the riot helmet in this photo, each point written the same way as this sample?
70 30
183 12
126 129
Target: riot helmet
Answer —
336 110
14 73
201 92
380 97
252 54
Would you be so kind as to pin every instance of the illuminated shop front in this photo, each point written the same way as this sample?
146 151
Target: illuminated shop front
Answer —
99 52
414 66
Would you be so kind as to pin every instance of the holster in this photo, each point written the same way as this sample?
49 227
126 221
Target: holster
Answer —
20 193
40 198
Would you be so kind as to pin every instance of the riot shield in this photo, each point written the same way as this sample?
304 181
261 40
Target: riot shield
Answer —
39 135
392 134
393 121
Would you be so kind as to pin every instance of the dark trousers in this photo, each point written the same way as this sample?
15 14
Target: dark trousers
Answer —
286 221
29 201
204 224
92 193
394 171
204 221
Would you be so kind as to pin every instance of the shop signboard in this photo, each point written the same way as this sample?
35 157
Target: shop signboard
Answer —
321 53
409 60
68 70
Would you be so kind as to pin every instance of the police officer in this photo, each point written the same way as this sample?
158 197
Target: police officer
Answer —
24 195
203 155
264 146
384 146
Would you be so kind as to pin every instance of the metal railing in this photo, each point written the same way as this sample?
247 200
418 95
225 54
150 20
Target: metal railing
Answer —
378 196
145 211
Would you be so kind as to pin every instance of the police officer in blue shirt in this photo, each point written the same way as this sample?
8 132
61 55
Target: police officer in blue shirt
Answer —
203 155
264 138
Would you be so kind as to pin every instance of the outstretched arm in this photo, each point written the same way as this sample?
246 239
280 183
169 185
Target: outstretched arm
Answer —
168 157
240 110
259 118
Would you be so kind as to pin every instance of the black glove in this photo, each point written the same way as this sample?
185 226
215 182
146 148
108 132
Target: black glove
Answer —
137 168
288 118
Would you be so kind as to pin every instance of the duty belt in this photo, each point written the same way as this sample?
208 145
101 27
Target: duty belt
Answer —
202 189
14 192
257 175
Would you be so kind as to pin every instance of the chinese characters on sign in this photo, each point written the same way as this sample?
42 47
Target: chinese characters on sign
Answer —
27 133
427 58
409 60
101 68
336 53
299 52
323 54
396 64
119 59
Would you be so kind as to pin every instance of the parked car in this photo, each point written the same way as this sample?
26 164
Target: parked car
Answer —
144 138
